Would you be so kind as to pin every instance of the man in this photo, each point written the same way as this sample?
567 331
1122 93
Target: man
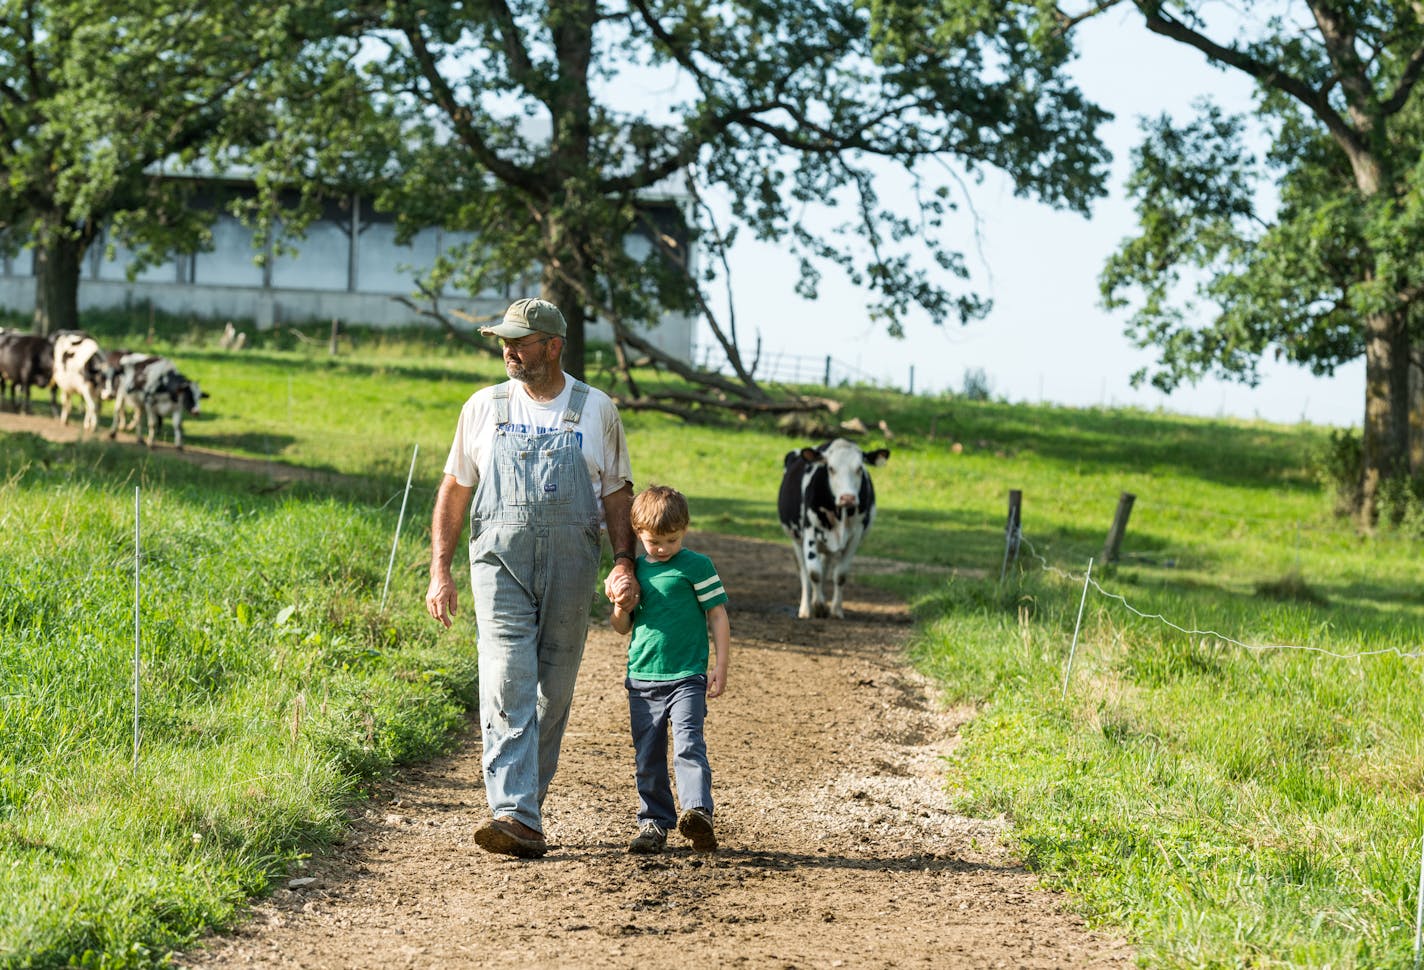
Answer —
545 459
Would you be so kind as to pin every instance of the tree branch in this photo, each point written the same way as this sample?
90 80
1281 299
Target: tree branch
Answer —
461 118
1269 75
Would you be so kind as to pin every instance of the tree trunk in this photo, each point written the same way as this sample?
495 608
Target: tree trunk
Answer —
1416 414
57 260
566 298
1386 432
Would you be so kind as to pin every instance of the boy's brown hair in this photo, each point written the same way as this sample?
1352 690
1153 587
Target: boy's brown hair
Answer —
660 510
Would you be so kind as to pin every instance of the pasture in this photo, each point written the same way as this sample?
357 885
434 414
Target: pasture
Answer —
1224 805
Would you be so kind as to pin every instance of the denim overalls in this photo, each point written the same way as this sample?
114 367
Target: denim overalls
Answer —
534 550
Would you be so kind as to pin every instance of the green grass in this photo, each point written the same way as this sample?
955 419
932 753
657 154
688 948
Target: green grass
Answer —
1221 805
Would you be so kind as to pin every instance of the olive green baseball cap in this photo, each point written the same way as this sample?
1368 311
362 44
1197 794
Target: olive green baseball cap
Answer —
529 316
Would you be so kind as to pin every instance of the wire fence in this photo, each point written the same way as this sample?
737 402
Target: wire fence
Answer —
780 367
1413 653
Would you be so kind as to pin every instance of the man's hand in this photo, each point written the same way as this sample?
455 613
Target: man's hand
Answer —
621 586
441 600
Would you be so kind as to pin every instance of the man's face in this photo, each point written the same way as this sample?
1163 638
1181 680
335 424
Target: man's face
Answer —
531 360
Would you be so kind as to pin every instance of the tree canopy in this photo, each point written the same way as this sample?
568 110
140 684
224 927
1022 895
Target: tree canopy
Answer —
544 128
1312 251
99 98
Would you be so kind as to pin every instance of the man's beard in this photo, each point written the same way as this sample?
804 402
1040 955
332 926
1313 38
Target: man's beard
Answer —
534 373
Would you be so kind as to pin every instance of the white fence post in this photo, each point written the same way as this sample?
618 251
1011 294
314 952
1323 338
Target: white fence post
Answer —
138 657
399 519
1419 910
1076 627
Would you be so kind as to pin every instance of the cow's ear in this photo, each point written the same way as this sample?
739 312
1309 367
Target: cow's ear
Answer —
877 457
812 455
204 394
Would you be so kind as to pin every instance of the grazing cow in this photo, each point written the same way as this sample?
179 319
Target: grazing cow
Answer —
26 361
826 505
154 387
78 369
109 373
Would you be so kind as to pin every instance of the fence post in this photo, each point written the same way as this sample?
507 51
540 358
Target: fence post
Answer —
335 332
912 380
1013 531
138 656
1119 528
399 519
1078 625
1419 913
828 371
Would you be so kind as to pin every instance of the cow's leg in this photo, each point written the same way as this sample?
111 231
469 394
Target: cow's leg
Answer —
804 610
91 409
119 400
837 575
64 407
815 577
152 421
178 429
856 532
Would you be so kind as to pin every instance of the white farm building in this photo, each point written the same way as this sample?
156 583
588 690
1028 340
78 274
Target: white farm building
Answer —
348 267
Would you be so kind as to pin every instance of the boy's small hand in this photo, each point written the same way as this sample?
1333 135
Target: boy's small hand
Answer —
623 592
716 682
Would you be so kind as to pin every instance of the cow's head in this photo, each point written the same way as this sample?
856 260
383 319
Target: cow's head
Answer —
845 467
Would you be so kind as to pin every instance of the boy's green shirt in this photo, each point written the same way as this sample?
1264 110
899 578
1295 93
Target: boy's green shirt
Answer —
669 623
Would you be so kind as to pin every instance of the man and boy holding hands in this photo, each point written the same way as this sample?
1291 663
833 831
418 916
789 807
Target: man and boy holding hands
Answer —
542 462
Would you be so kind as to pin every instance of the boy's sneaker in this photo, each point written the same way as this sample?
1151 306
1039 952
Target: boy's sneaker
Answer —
696 825
650 839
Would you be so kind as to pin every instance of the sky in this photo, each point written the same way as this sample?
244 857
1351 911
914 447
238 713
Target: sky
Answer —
1047 339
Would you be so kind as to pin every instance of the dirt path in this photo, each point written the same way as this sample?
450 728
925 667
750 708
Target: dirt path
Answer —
838 845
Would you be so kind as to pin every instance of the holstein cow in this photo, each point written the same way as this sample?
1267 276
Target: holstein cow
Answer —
826 505
110 372
154 386
26 361
78 369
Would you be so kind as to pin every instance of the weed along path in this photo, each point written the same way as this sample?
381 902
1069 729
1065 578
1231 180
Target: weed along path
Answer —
838 844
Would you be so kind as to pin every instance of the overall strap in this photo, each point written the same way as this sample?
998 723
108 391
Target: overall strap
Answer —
574 411
501 405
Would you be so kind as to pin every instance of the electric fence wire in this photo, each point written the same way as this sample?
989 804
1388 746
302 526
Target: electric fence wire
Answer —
1413 654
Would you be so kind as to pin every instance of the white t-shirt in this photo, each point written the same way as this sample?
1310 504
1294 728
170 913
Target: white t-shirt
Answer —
600 433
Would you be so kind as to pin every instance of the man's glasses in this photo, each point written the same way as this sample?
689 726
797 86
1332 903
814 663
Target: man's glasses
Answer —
523 343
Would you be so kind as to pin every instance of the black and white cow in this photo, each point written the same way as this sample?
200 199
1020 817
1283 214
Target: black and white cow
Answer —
153 386
78 370
826 505
26 360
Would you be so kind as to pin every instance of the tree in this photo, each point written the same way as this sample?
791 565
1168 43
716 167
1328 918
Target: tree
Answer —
1329 267
101 99
543 128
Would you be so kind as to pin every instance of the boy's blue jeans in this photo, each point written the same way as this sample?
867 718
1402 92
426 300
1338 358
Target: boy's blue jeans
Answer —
654 706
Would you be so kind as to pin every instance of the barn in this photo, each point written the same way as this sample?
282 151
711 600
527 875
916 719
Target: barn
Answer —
347 266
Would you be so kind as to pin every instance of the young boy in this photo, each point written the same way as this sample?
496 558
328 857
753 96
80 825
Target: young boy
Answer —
680 607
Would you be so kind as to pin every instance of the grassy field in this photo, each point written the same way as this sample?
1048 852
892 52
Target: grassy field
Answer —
1246 803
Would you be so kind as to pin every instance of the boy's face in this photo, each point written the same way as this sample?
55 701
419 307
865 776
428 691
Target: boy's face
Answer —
661 546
